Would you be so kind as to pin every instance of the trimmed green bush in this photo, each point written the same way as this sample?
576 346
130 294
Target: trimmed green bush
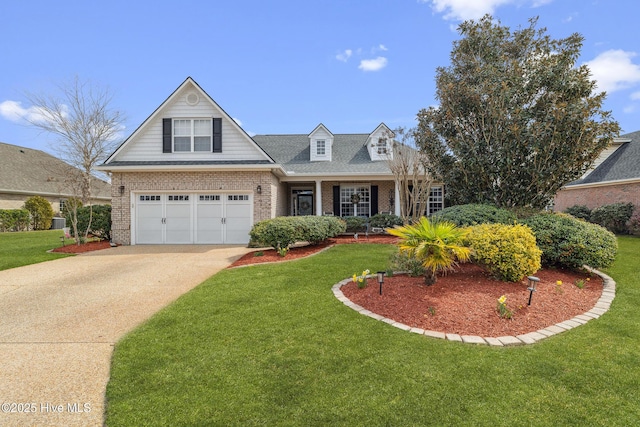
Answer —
14 219
570 242
281 232
579 211
384 220
403 261
100 220
509 252
355 224
474 214
613 217
41 212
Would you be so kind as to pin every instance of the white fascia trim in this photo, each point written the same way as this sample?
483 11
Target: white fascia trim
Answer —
190 168
602 184
335 177
43 193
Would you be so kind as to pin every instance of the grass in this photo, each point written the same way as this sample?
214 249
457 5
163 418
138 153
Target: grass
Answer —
270 345
29 247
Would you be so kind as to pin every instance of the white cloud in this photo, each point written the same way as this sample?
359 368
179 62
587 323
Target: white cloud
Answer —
373 64
238 122
462 10
14 111
613 70
382 47
635 96
344 56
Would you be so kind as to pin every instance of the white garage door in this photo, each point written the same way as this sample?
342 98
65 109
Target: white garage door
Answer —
192 218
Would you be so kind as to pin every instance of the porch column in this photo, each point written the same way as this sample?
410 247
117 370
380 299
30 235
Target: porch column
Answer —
318 198
397 199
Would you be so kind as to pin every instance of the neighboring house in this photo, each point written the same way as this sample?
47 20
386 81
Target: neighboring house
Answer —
25 172
191 174
614 178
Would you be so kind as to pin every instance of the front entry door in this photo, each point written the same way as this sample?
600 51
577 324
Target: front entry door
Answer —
305 204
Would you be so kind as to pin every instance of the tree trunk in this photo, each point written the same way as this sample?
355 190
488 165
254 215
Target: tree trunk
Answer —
429 277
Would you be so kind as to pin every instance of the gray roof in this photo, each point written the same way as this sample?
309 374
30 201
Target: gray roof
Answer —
28 171
349 155
624 163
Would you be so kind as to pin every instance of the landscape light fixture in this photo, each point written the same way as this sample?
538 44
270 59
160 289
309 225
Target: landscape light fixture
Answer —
259 189
533 281
381 279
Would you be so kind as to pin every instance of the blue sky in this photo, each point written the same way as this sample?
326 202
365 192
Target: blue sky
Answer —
284 66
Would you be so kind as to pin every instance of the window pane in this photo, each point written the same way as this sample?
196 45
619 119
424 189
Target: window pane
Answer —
202 127
182 127
202 143
182 143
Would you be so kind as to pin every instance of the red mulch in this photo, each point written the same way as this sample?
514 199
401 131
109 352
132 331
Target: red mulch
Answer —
72 248
464 302
270 255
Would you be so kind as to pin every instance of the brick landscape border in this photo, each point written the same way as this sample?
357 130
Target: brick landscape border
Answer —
602 306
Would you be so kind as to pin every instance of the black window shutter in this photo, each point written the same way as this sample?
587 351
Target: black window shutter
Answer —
374 200
217 135
166 135
336 200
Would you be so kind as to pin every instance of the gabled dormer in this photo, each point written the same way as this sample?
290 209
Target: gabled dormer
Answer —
320 144
380 143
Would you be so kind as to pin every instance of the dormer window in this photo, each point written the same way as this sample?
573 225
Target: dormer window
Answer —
191 135
382 146
321 147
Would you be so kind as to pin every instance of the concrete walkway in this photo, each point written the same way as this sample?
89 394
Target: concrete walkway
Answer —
59 321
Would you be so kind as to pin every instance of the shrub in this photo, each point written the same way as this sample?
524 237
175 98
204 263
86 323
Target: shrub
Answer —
436 244
508 251
474 214
41 212
384 220
281 232
403 261
571 242
613 217
355 224
14 219
579 211
100 221
634 223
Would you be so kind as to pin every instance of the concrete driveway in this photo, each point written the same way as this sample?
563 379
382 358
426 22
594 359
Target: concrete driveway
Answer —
59 321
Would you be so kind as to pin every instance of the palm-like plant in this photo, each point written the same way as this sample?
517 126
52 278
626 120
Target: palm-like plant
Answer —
436 244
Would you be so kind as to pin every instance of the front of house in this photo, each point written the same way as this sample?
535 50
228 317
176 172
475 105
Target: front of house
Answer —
191 175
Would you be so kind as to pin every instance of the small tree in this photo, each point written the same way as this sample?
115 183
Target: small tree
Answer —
518 118
438 245
409 167
86 129
41 212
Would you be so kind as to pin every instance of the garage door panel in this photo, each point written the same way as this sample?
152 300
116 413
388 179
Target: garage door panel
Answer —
209 223
149 220
237 219
178 221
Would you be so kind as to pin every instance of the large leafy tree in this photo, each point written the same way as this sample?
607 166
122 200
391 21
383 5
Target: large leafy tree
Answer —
517 118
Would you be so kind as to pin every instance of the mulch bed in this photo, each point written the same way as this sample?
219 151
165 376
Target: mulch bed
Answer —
72 248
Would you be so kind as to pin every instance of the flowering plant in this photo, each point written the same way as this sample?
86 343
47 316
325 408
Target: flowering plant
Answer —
361 280
503 311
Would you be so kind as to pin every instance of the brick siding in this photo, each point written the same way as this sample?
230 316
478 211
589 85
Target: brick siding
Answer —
596 196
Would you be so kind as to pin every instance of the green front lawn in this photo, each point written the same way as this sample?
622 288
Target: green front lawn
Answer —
29 247
270 345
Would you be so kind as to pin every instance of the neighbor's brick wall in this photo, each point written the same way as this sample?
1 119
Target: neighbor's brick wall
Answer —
185 181
598 196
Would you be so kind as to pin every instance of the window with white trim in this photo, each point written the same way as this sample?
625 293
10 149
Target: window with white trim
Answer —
382 146
191 135
321 147
436 200
349 195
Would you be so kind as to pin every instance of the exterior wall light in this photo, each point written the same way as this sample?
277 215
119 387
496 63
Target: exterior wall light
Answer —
121 190
259 189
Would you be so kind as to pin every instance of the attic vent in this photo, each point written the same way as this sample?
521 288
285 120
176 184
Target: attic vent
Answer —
192 98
